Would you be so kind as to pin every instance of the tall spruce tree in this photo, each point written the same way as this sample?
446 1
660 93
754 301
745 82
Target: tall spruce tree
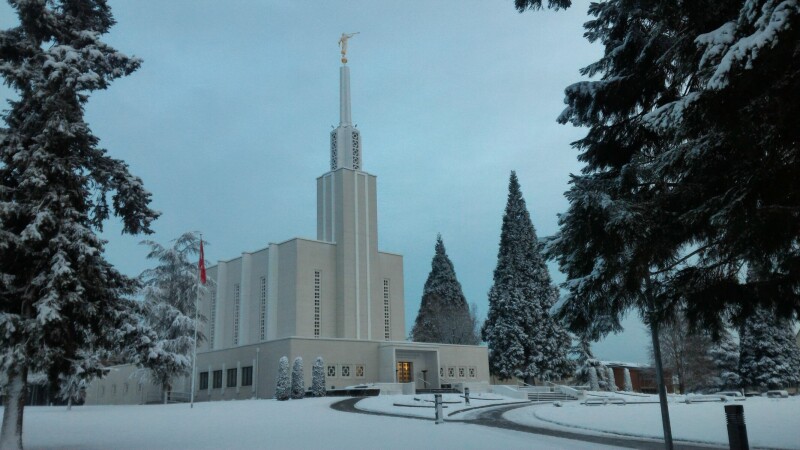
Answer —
769 355
524 340
318 378
724 355
171 290
444 316
59 297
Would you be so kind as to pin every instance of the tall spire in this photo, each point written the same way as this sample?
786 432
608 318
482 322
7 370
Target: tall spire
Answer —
345 118
345 139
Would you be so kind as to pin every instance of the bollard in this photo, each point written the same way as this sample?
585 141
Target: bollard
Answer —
439 414
466 395
737 431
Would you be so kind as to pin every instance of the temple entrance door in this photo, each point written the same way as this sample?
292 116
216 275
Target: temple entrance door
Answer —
405 372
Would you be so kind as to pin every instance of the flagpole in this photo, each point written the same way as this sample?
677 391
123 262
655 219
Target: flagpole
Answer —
196 301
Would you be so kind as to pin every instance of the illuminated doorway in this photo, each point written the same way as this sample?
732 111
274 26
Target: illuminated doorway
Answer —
405 372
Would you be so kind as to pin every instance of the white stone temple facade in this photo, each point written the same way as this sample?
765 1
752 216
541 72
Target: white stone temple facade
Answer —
338 297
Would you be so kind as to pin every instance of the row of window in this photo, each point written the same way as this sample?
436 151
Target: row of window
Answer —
462 372
125 388
263 311
346 370
230 378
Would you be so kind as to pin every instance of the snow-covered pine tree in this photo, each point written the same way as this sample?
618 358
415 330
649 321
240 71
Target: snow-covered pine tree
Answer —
584 359
318 378
593 383
283 385
769 356
72 384
444 315
171 290
724 356
677 86
298 382
524 339
58 295
628 386
612 383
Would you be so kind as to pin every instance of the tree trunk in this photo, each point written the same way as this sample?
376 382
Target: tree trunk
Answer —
662 391
69 403
14 406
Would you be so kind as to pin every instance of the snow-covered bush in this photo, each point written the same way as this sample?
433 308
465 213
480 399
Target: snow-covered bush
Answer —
593 385
283 385
318 378
298 383
612 383
628 384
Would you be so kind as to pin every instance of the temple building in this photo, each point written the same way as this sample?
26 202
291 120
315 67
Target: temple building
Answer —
337 297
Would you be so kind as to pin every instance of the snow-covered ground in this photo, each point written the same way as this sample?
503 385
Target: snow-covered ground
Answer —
422 405
773 423
294 424
311 423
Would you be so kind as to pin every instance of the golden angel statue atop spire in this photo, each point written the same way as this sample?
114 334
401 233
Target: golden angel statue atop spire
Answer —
343 44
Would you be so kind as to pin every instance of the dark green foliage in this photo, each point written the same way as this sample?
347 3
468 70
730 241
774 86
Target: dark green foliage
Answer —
524 340
444 316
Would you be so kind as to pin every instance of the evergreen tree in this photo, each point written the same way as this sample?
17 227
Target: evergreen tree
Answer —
171 290
318 378
298 382
58 295
612 383
657 217
628 384
283 385
584 359
724 356
444 316
524 339
593 383
769 358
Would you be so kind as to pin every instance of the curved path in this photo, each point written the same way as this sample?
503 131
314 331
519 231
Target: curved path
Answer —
492 416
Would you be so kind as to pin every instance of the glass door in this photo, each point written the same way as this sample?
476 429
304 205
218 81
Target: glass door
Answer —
405 372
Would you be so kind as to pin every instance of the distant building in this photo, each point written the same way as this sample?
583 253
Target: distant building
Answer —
337 296
643 377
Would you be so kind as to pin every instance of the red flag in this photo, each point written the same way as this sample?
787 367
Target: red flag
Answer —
202 264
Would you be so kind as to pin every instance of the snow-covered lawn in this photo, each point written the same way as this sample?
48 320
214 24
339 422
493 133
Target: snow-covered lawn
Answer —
294 424
773 423
422 405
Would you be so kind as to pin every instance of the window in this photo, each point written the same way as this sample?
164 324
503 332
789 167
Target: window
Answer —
441 372
451 372
317 277
387 335
217 379
331 370
113 389
213 321
263 314
356 151
359 371
102 391
203 381
236 308
247 376
231 378
472 372
345 371
461 372
125 388
333 151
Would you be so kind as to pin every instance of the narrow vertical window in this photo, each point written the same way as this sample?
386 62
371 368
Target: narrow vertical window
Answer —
316 302
236 305
263 314
356 151
387 325
213 321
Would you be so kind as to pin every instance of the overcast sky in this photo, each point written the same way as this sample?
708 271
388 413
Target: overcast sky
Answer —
227 123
